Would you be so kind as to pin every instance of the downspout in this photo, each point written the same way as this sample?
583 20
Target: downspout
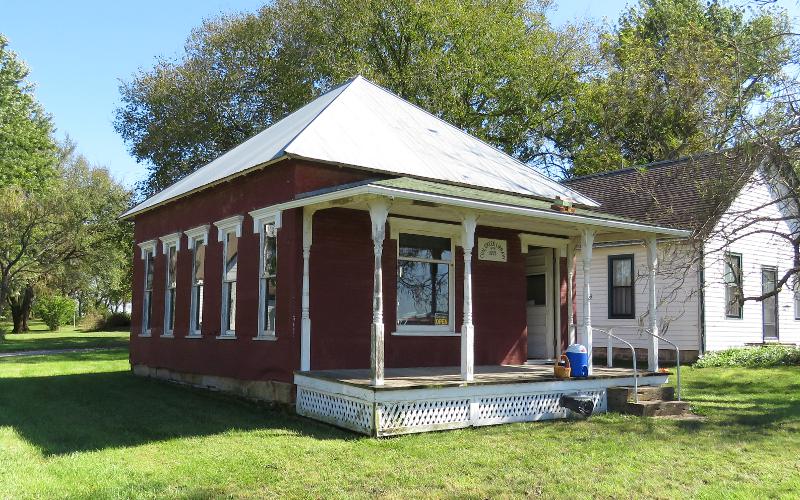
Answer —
701 295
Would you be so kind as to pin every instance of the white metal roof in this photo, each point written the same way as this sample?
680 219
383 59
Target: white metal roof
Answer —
363 125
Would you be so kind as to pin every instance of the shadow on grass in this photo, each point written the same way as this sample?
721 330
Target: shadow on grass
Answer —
62 414
77 341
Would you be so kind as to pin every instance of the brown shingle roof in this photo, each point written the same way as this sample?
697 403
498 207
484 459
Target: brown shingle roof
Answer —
683 193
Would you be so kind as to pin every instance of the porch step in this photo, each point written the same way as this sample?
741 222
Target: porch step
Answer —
653 402
618 396
657 408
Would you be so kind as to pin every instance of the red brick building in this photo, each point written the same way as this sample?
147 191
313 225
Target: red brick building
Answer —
359 233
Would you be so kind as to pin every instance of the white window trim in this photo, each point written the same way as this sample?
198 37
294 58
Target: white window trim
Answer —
224 228
173 239
231 224
260 217
196 233
146 247
399 225
264 215
169 241
199 233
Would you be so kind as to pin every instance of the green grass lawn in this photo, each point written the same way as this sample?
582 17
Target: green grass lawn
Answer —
80 425
67 337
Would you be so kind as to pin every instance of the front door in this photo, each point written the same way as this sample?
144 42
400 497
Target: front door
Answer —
539 280
769 306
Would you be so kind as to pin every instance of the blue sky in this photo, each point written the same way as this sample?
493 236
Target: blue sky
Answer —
78 51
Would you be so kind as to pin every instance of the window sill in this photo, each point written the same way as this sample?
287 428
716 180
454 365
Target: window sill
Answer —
226 337
266 337
194 336
168 336
145 335
429 333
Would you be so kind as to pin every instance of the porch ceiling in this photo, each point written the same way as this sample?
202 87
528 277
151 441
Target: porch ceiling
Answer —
441 202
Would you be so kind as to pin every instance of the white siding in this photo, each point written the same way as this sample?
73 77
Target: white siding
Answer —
757 250
678 307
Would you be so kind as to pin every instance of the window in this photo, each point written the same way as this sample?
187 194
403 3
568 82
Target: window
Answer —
148 256
797 304
424 282
198 240
229 231
268 279
620 287
536 289
171 247
733 285
172 260
769 306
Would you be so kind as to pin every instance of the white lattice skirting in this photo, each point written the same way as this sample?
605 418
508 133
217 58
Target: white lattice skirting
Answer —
408 411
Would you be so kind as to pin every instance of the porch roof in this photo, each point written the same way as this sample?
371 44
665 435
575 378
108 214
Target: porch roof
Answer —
497 208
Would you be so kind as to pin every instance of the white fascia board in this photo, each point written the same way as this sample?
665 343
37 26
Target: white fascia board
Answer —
195 233
371 189
231 224
169 240
265 215
148 246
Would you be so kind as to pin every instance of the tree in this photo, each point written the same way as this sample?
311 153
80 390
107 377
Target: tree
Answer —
679 77
69 224
55 310
27 150
496 69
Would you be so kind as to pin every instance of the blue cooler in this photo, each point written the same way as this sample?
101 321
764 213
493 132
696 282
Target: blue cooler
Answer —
578 360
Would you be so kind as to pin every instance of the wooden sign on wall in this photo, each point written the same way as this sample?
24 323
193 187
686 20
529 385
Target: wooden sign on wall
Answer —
492 249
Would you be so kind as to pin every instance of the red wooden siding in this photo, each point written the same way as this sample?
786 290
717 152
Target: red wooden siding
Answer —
341 287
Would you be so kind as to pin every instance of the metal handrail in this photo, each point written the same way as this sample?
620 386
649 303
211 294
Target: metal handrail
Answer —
677 352
633 351
677 358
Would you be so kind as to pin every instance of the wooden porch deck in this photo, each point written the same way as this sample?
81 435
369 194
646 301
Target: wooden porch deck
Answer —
426 399
440 377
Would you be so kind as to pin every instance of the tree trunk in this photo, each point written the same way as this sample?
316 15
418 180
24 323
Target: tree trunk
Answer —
27 302
4 287
15 304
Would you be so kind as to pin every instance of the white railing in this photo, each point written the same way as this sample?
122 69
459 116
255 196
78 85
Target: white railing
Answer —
609 352
610 336
677 359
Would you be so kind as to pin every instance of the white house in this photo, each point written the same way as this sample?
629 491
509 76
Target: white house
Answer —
740 213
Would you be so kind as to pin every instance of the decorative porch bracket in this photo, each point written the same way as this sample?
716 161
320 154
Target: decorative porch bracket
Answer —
587 241
305 315
378 211
652 267
468 224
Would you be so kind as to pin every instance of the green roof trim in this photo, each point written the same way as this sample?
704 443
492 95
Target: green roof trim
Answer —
438 188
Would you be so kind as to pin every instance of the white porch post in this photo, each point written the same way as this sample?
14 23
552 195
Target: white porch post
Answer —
587 240
305 316
468 225
652 267
378 211
570 306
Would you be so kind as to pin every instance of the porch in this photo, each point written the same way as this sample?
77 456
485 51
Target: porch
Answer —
437 398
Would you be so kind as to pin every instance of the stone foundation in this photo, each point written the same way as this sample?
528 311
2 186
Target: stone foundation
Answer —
664 355
270 391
